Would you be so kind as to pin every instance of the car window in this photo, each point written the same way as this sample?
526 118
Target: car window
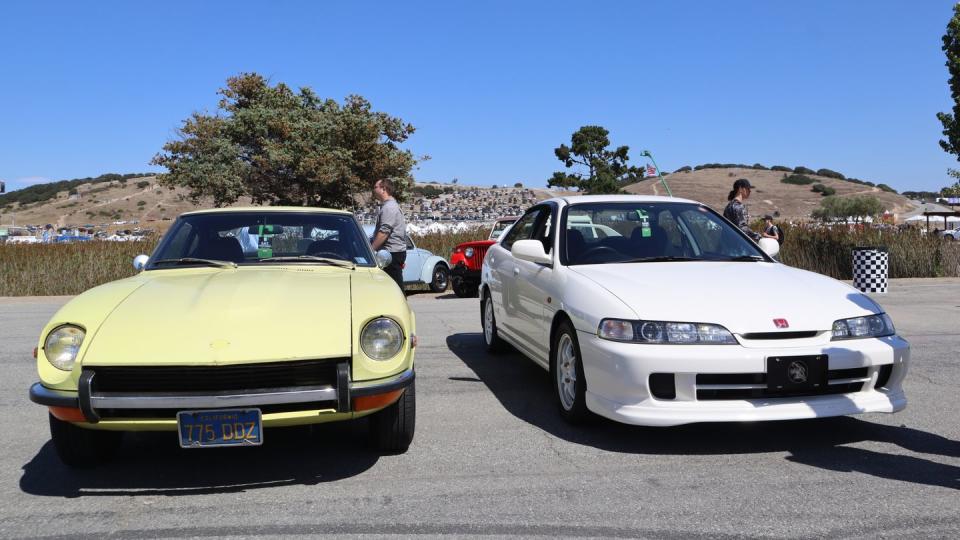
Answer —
543 230
621 232
256 237
523 229
410 245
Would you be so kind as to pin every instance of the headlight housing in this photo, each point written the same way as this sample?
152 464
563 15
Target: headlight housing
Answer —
665 332
62 345
468 252
863 327
381 338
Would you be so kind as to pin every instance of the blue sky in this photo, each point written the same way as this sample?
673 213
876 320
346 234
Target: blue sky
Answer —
492 87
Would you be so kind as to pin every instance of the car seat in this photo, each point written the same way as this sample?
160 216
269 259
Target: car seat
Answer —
653 245
223 248
331 247
575 245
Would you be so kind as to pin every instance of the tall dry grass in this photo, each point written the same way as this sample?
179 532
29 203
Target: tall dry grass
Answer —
830 251
65 269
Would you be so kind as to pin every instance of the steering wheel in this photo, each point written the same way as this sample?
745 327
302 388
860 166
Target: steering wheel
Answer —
599 250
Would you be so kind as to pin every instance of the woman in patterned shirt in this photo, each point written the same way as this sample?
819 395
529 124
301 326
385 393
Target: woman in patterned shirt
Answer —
735 211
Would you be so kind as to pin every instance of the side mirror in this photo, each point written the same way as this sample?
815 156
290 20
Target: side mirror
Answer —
383 258
140 261
530 250
770 246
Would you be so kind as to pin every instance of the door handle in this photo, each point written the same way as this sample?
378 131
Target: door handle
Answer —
516 271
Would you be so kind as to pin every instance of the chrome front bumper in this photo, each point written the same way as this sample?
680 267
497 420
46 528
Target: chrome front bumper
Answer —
89 401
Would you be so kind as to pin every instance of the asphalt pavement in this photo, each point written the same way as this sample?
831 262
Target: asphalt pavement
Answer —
492 457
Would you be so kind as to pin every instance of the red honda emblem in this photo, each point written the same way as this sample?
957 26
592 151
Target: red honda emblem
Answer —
781 323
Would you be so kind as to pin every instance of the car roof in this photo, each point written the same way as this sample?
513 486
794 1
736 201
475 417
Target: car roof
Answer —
581 199
276 209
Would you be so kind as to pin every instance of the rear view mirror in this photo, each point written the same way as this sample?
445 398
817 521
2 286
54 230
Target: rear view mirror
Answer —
530 250
384 258
140 261
770 246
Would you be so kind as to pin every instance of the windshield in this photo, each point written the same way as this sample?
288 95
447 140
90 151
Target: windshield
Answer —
264 238
602 233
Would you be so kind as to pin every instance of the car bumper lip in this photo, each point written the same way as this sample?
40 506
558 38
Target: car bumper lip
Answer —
618 380
186 400
660 413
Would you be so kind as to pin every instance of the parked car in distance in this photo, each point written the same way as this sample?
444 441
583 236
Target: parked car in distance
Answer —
467 258
670 315
951 234
243 320
421 266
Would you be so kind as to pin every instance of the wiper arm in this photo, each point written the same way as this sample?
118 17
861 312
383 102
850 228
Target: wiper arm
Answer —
665 258
195 260
756 258
310 258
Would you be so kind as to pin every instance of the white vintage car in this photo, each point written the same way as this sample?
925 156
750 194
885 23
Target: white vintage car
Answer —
657 311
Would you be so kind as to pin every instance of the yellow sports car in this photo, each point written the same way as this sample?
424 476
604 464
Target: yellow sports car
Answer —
241 320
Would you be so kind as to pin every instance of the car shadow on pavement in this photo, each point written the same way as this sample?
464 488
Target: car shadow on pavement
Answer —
154 464
524 389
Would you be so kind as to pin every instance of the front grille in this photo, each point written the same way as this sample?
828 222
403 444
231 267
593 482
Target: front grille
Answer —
214 378
754 385
479 253
663 385
779 335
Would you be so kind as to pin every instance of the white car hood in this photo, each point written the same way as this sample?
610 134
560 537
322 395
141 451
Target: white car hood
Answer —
741 296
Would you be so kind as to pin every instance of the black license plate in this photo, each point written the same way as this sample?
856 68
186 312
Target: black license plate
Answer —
796 373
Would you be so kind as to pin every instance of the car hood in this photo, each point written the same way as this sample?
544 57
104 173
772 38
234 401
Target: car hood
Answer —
741 296
228 316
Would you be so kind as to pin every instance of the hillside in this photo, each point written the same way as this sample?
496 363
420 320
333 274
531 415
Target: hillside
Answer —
770 195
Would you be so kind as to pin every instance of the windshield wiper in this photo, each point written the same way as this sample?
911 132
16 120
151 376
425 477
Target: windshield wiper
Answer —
194 260
756 258
310 258
664 258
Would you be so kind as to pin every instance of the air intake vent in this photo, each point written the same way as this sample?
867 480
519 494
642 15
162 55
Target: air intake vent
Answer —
779 335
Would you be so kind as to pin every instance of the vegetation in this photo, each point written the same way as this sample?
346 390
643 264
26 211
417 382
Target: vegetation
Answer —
602 170
829 251
40 193
442 243
143 184
781 168
886 188
951 120
830 174
803 170
921 195
823 190
843 208
685 168
283 147
797 180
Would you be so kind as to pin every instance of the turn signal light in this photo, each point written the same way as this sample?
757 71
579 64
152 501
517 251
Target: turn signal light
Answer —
366 403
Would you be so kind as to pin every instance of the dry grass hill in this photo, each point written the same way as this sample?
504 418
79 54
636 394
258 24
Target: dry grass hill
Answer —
153 206
770 195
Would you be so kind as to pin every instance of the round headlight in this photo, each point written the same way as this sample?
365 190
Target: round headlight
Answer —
62 345
468 252
381 339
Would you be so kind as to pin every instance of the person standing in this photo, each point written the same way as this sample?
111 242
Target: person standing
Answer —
735 211
390 232
770 230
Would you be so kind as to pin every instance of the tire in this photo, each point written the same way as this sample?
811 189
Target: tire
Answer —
488 321
81 448
392 428
440 278
949 237
570 385
464 290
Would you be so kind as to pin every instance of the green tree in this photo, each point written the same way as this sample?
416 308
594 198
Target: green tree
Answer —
518 185
954 190
835 208
951 47
601 170
282 147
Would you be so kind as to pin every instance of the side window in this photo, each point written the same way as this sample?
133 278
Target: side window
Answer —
410 245
523 229
544 230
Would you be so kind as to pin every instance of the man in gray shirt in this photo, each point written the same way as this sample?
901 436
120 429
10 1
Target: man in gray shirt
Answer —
391 230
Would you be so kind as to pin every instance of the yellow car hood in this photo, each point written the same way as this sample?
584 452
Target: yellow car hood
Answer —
228 316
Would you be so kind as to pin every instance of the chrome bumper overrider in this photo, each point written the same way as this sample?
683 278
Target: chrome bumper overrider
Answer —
89 401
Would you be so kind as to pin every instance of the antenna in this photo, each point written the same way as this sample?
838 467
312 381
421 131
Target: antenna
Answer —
646 153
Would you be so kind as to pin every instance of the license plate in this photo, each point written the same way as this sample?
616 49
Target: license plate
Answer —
796 373
227 427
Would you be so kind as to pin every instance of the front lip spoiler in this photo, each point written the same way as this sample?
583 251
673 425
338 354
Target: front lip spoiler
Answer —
173 400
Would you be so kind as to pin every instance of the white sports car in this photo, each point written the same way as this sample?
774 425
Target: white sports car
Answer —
658 311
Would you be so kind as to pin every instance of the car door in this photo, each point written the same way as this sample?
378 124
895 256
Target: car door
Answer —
414 263
504 271
531 319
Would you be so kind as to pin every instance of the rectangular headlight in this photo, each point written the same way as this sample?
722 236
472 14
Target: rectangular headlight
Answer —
665 332
863 327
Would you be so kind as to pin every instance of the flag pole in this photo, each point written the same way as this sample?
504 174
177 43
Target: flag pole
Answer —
655 166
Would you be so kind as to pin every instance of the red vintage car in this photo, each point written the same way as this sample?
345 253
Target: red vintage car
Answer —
467 259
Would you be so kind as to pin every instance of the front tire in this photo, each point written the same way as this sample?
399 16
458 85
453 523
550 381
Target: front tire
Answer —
441 277
566 370
392 428
81 448
489 321
463 289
